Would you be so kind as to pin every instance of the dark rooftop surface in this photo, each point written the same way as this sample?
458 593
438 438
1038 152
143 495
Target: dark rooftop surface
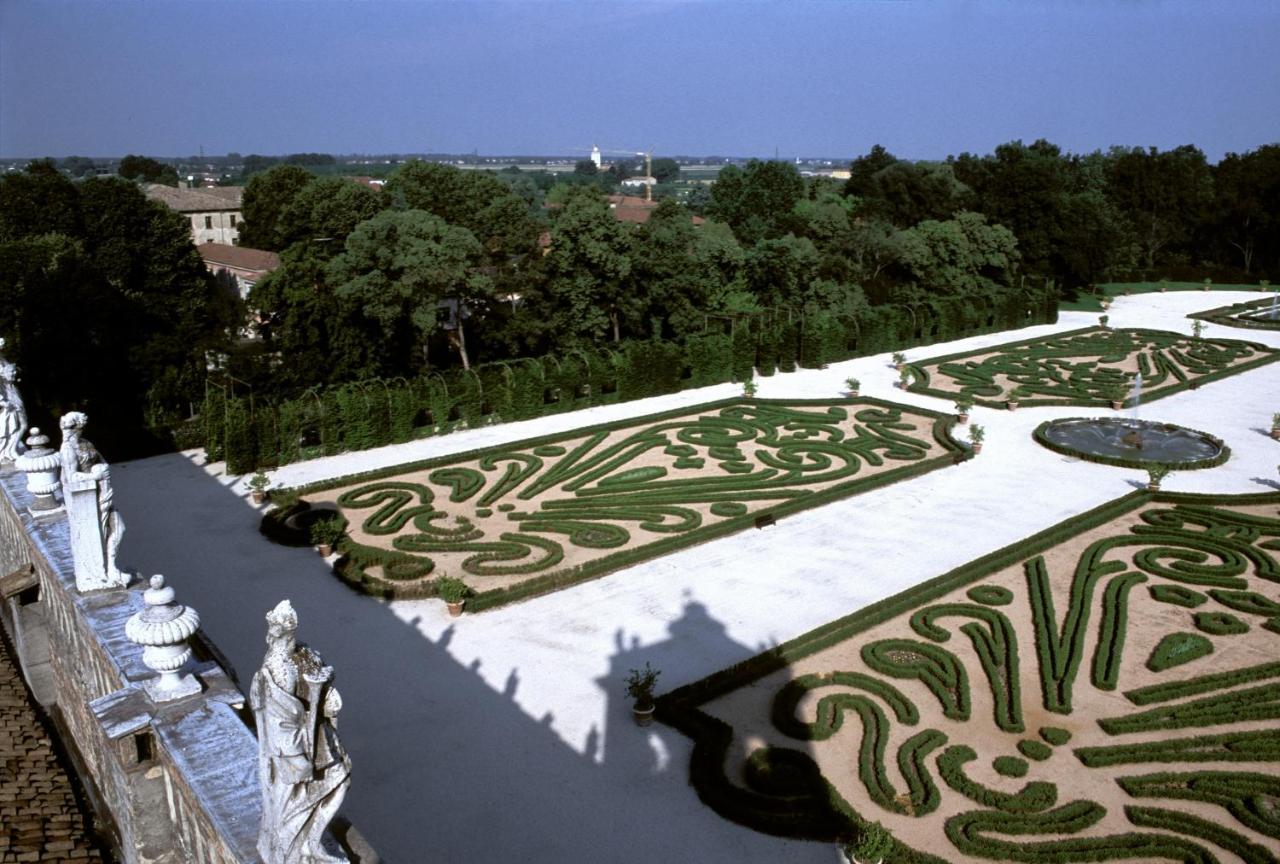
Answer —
41 817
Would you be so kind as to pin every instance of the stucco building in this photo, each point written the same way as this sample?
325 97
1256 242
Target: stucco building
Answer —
214 213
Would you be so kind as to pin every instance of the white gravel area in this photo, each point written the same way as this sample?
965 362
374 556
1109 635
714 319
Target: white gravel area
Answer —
507 735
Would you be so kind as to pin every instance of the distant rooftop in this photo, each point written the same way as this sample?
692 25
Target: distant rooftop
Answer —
240 257
196 200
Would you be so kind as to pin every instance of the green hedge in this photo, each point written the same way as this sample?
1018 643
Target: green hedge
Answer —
359 415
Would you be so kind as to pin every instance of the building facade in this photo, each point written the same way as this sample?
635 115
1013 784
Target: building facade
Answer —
213 213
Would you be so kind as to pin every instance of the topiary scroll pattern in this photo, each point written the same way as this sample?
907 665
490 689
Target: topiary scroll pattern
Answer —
1252 315
1091 367
517 520
1108 690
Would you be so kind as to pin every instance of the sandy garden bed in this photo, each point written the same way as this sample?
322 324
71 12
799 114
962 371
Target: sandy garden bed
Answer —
1093 366
533 516
1106 690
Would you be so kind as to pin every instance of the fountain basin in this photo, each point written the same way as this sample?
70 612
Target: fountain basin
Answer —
1129 443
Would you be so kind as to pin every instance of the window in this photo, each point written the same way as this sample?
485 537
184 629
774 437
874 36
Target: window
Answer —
233 220
208 221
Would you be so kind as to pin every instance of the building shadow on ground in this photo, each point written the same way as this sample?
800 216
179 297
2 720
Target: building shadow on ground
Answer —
447 767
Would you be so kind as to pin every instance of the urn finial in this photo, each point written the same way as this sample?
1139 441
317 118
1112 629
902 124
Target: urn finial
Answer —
163 628
41 464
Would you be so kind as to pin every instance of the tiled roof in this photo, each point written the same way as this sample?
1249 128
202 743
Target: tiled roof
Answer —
240 257
196 200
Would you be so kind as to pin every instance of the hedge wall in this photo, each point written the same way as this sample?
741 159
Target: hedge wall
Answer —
251 434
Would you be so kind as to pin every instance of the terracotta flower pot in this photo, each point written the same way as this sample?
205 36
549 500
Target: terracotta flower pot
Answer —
1153 487
455 609
1117 404
977 447
1275 432
644 716
325 549
1012 404
962 418
259 497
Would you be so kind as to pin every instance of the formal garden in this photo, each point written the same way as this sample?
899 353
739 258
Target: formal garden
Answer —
1105 690
1253 314
534 516
1092 366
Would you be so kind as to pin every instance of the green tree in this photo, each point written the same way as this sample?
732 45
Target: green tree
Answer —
267 205
39 200
79 166
586 167
147 170
905 193
757 202
784 273
403 266
327 209
1162 196
666 170
588 291
963 256
1246 223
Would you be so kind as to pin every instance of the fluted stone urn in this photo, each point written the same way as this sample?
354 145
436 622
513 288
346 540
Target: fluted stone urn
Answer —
164 627
42 466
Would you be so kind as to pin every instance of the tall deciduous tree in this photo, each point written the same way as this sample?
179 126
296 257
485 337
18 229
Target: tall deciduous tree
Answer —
960 256
402 267
758 202
268 200
588 265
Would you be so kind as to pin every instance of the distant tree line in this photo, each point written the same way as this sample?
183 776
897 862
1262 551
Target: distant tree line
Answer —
445 268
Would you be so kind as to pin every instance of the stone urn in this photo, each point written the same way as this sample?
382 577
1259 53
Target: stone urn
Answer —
163 628
42 465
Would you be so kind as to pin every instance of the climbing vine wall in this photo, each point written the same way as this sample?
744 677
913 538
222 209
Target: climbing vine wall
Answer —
1106 690
536 515
1255 314
1092 366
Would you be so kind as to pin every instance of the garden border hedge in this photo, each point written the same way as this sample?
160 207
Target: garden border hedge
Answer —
941 429
1226 316
921 377
826 817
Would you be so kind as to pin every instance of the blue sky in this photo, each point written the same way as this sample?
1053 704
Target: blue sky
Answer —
807 77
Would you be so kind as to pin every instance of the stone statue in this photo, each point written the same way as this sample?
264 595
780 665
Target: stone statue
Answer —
13 414
96 526
302 767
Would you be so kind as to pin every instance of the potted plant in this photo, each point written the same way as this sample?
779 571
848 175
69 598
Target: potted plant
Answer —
749 389
1197 329
1156 473
904 378
326 532
1164 285
1103 319
871 846
1105 303
454 592
1264 284
899 359
259 484
963 406
640 684
1115 394
1275 426
976 434
853 385
1018 394
1208 283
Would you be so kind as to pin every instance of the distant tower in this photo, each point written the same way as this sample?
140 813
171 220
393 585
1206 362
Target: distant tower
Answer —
595 156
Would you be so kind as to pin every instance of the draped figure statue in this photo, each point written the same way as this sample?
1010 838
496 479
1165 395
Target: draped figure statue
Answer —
13 413
302 767
96 524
